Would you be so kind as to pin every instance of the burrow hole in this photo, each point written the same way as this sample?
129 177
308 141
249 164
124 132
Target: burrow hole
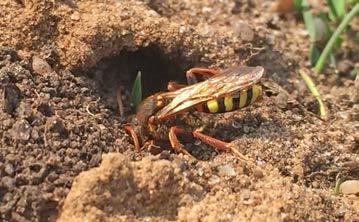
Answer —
157 70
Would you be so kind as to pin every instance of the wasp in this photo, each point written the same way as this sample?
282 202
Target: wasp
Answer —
162 116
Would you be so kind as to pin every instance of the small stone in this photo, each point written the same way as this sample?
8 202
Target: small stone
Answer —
244 31
271 39
345 115
9 169
350 187
181 164
245 194
52 177
214 180
7 197
226 170
24 110
75 16
11 97
8 182
21 130
34 134
40 66
257 172
200 172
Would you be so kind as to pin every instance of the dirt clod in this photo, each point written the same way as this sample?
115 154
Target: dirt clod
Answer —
40 66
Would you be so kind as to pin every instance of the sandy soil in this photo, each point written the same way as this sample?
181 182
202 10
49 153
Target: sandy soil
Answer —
65 157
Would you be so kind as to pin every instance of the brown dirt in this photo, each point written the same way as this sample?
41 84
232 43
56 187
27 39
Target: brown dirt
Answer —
61 120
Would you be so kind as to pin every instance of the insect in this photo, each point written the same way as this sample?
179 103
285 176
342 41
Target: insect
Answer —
163 115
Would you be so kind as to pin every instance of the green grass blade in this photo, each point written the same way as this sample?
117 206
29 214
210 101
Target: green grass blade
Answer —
136 94
298 5
328 48
313 89
337 8
314 54
337 186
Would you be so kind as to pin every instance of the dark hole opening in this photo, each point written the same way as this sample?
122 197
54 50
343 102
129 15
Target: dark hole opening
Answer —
121 70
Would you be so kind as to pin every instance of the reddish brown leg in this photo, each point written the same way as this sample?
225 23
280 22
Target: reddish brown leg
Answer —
129 129
176 145
218 144
204 72
172 86
191 77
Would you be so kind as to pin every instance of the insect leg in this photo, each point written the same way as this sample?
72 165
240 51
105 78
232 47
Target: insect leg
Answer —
172 86
203 73
129 129
218 144
176 145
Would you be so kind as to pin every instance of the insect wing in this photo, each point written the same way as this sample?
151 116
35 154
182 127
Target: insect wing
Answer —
228 82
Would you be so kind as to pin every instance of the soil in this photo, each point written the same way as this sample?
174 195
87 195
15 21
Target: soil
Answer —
65 157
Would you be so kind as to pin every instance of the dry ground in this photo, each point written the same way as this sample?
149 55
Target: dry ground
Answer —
59 121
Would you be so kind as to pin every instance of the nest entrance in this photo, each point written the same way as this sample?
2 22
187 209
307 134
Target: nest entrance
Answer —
121 70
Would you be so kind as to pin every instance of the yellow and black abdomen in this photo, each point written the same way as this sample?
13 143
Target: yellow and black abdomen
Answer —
232 102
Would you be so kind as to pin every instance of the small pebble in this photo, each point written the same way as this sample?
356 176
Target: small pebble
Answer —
75 16
214 180
9 169
226 170
244 31
21 130
8 182
200 172
257 172
40 66
245 194
350 187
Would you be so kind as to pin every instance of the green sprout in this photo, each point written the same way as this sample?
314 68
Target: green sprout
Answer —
337 9
136 94
312 88
328 48
337 186
322 38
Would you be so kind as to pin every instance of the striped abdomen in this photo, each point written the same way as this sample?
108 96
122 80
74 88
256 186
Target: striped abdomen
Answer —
231 102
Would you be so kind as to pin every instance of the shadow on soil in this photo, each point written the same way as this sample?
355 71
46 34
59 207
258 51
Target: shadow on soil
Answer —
157 70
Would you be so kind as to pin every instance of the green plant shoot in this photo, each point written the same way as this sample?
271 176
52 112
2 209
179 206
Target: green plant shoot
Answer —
329 46
337 186
136 94
337 8
312 88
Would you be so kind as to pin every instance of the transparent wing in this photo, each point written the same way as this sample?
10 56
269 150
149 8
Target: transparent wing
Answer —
228 82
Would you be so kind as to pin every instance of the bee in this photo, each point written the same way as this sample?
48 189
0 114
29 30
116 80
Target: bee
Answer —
162 116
